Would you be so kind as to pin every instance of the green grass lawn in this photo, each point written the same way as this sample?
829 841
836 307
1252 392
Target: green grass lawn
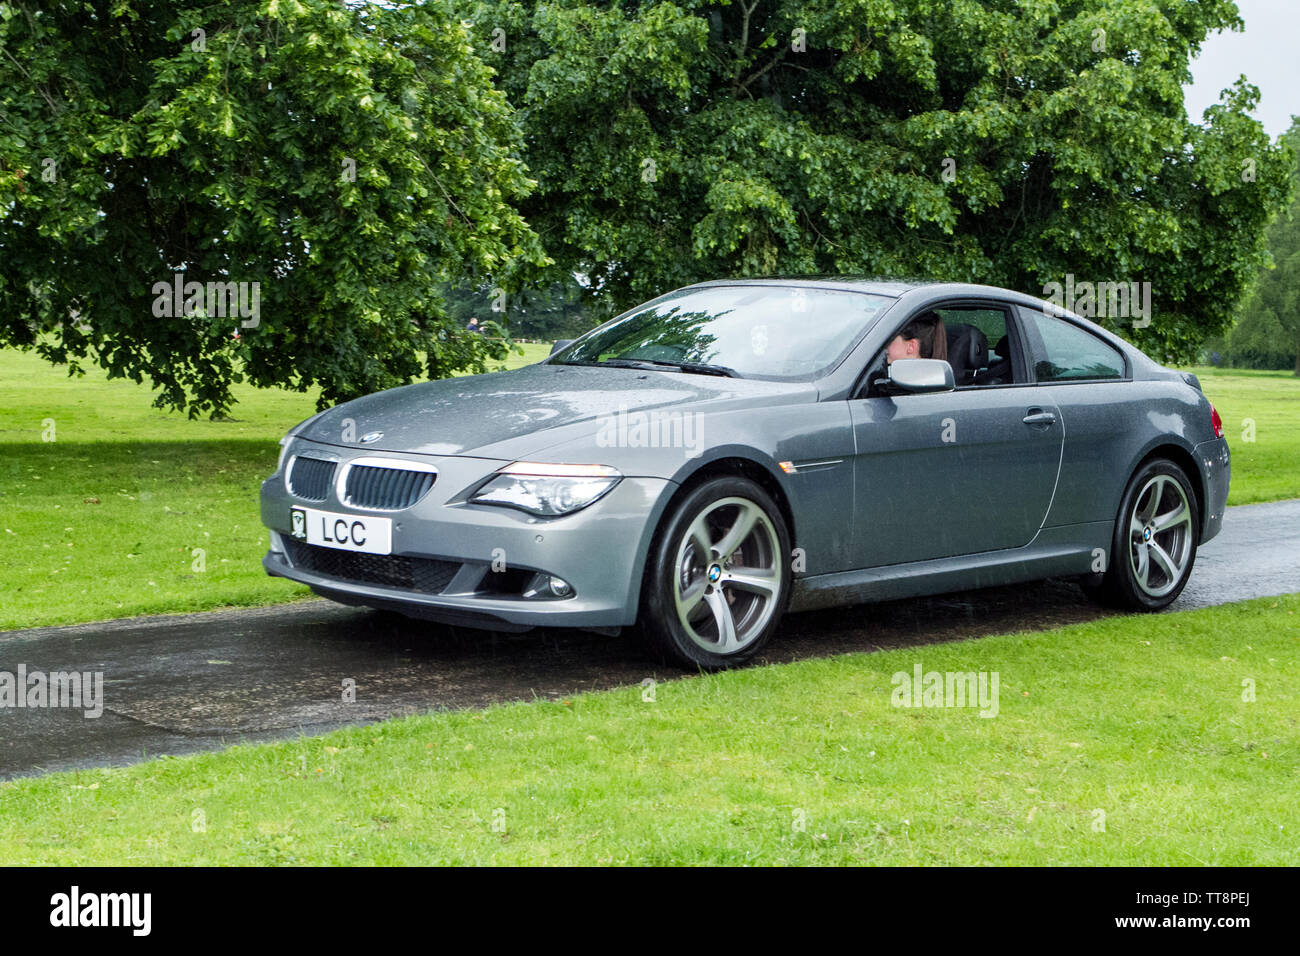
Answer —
1261 418
105 520
1121 741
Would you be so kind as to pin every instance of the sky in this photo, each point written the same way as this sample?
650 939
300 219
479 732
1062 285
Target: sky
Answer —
1266 52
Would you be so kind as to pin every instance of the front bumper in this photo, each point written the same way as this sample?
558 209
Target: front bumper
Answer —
1215 462
450 558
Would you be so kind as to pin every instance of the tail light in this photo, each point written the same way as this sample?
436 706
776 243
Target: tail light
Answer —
1216 422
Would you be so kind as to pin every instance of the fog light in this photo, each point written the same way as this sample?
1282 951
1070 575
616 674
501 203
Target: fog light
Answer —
545 586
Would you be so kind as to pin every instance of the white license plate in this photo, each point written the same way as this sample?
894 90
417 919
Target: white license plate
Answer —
328 529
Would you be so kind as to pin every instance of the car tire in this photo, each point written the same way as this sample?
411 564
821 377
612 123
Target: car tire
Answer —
1153 549
716 610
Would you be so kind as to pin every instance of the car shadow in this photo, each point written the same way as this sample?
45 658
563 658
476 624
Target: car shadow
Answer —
551 652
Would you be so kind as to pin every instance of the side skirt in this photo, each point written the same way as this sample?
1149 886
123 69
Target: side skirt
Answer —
1070 551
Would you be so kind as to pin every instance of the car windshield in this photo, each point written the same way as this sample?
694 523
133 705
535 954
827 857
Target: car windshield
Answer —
765 332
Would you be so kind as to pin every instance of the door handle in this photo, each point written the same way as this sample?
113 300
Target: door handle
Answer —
1037 416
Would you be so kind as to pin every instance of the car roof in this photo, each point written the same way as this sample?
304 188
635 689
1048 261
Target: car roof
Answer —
926 291
890 287
894 288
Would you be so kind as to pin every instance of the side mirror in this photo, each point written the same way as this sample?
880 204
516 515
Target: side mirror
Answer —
559 344
918 376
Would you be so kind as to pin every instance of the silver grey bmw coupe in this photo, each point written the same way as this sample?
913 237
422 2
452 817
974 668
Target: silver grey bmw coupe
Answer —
704 462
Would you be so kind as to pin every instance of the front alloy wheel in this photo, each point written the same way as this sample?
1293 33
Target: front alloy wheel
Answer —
719 578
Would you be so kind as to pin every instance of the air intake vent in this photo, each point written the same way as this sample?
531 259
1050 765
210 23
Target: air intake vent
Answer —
310 478
427 575
387 489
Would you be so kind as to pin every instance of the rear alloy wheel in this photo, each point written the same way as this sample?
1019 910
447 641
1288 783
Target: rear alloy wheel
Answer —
1156 536
718 579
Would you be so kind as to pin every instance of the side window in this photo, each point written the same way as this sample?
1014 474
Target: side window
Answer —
979 346
1070 353
980 343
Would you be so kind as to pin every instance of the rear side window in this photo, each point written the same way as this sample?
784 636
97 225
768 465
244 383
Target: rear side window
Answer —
1068 353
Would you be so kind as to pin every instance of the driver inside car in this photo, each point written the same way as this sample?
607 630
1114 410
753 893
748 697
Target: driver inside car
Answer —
922 337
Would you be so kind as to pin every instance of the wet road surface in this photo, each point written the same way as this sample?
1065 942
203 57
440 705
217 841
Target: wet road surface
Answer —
179 684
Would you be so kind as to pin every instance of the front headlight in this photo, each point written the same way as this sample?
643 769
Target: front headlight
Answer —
546 489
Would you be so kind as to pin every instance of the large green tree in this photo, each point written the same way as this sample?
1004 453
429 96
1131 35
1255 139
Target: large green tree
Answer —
1012 142
1269 330
349 160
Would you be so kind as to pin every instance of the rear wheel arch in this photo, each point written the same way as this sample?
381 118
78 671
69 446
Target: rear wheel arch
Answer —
1185 460
1137 549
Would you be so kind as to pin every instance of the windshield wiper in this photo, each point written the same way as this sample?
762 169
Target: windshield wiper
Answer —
696 368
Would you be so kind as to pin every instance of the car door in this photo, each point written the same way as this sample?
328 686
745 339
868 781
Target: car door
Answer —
1091 383
953 473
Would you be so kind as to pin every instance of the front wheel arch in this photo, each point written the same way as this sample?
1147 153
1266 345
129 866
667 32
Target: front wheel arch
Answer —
739 467
662 621
679 487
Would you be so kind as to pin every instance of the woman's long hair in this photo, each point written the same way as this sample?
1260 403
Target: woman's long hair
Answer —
929 333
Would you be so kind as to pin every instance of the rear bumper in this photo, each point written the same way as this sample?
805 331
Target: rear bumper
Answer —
1215 462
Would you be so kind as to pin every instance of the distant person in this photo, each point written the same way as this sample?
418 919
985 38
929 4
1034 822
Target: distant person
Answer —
473 326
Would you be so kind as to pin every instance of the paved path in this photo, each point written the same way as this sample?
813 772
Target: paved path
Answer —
178 684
